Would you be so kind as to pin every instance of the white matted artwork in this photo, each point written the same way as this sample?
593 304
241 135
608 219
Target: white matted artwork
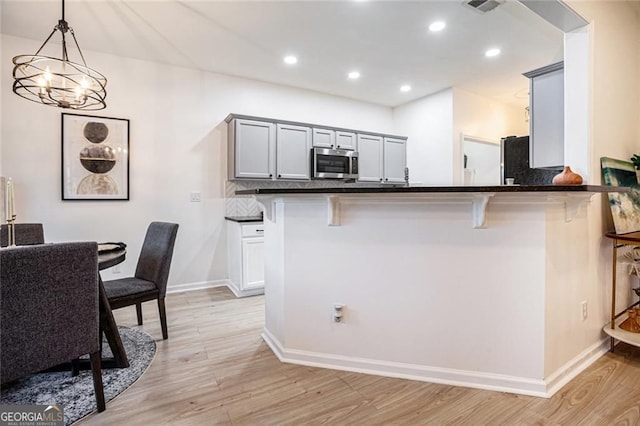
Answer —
95 158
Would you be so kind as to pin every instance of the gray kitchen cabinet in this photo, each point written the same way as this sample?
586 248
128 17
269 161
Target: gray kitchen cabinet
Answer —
293 152
382 159
546 116
324 138
252 149
394 159
264 148
245 246
334 139
370 152
346 140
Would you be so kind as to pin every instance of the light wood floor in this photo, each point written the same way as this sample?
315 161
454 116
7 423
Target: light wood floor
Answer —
215 369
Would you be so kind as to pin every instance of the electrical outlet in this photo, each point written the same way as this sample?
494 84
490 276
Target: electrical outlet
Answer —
585 311
195 196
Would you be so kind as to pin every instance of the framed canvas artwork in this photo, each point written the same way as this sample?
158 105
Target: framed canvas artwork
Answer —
95 158
625 206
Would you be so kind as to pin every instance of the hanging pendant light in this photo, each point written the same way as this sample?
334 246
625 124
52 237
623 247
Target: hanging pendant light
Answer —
59 82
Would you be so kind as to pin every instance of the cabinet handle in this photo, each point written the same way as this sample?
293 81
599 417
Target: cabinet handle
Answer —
259 230
380 179
270 175
279 176
386 180
338 146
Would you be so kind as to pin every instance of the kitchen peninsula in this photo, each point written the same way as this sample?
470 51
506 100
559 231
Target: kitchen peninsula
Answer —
466 286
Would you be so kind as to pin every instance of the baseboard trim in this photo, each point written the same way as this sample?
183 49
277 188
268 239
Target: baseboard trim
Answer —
239 293
577 365
471 379
179 288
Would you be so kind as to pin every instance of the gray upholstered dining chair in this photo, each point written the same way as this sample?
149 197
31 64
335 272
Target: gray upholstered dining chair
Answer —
49 309
152 272
26 234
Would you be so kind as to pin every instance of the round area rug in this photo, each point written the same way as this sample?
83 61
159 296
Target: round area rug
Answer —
75 394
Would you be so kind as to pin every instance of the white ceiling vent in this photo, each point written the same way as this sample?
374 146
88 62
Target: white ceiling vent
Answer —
483 6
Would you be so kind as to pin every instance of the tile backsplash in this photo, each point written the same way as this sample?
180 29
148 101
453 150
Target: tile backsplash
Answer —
246 205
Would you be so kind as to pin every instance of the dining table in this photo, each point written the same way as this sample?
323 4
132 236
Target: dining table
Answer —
110 255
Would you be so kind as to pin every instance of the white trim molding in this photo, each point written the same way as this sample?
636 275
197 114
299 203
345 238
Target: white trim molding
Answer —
178 288
446 376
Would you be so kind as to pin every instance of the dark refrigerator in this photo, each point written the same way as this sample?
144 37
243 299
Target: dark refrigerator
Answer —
514 152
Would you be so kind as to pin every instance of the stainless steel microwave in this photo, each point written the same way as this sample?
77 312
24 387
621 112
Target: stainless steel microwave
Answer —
334 163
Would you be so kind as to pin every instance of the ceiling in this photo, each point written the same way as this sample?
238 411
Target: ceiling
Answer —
388 42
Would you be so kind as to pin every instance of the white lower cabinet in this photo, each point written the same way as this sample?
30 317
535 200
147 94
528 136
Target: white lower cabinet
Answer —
245 242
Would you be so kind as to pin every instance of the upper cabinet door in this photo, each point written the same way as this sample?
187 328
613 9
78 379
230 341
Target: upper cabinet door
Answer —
346 140
546 120
370 158
324 138
293 151
254 149
395 160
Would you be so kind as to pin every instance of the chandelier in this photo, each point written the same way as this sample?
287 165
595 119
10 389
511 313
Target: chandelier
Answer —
59 82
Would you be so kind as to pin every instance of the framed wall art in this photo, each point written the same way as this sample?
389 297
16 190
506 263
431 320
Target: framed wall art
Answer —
95 158
625 206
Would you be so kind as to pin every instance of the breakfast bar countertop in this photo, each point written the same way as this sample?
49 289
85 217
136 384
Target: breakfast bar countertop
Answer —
434 189
244 219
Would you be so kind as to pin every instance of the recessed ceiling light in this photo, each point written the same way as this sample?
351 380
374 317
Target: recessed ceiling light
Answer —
405 88
492 52
437 26
290 60
354 75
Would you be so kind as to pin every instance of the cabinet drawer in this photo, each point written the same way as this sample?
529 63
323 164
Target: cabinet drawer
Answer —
253 230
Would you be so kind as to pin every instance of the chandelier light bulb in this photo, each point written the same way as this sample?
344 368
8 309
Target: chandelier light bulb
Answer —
47 75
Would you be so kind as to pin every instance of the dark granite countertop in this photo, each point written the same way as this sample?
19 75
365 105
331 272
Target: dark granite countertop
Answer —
244 218
434 189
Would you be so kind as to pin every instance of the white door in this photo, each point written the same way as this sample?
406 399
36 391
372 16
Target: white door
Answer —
482 159
254 149
293 152
252 263
395 160
370 158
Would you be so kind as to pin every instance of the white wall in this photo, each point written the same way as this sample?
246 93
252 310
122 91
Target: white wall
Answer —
485 118
434 125
428 123
613 130
177 145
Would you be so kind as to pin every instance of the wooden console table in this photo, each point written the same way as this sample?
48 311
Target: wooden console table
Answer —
612 329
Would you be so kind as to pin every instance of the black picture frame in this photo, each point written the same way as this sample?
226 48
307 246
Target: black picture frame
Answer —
95 158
